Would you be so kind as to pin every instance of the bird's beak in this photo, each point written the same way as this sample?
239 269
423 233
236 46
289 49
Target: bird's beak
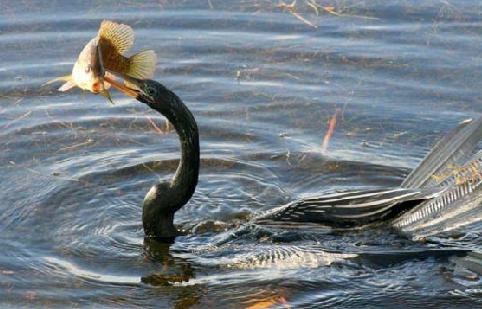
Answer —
131 90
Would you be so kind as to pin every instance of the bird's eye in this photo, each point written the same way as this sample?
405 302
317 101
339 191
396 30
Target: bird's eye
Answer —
87 69
150 91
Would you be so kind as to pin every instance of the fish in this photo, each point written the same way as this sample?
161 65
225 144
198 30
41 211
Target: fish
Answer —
103 58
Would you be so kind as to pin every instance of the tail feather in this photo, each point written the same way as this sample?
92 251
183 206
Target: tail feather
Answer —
455 149
349 209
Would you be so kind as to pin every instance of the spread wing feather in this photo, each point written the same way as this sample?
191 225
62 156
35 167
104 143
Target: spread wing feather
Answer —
453 150
350 208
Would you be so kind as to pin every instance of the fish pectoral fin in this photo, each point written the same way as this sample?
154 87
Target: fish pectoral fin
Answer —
142 65
65 78
67 86
106 94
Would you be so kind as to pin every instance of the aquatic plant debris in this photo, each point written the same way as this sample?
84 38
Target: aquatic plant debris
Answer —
461 174
318 9
329 132
23 116
154 125
291 8
167 126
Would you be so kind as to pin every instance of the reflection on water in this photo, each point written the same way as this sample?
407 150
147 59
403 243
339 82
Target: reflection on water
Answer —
262 81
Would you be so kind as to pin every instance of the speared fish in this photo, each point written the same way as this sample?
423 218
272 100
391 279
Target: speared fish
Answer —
104 55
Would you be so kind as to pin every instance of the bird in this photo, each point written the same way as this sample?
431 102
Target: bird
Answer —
165 198
347 209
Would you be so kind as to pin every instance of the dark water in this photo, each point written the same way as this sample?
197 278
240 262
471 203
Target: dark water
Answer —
262 84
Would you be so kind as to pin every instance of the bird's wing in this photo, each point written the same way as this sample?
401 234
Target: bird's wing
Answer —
358 208
350 208
452 151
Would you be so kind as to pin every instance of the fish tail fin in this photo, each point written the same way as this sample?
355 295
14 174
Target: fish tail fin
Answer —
142 65
69 83
453 150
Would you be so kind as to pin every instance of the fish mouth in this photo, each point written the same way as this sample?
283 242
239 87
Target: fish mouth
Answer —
131 88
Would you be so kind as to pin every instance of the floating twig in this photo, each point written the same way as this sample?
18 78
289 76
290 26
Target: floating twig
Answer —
87 142
291 8
17 119
331 10
329 132
154 125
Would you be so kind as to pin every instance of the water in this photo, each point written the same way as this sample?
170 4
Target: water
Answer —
262 84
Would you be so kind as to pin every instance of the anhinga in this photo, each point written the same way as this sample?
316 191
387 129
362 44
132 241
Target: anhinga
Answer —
346 209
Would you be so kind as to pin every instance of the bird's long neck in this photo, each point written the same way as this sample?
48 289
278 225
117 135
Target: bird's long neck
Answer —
185 179
163 200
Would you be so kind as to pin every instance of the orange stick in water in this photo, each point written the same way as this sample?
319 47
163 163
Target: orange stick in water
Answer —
329 132
154 125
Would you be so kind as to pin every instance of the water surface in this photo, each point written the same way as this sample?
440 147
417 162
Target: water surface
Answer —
262 83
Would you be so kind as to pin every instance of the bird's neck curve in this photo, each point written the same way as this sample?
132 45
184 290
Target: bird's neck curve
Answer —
182 185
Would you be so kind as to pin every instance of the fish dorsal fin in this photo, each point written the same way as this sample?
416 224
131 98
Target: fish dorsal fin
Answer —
142 65
118 36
